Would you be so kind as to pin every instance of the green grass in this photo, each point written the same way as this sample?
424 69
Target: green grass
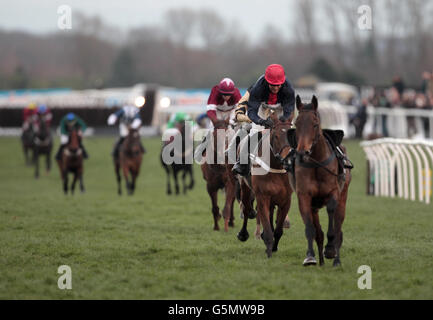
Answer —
154 246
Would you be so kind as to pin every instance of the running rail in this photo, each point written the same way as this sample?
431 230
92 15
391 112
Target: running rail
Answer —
399 167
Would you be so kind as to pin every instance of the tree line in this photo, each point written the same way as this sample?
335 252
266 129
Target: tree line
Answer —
196 48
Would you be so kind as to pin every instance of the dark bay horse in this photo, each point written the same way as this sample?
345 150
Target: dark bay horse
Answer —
42 145
172 170
319 180
219 176
27 144
72 162
271 189
129 161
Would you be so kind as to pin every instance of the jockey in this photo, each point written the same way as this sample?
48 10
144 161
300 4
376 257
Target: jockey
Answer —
220 106
28 113
241 119
68 122
176 119
271 89
44 114
128 116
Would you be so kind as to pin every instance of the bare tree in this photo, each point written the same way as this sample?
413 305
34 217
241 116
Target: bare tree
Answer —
180 25
211 28
305 23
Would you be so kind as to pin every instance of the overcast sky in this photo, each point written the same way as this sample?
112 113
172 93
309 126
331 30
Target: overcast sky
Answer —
41 16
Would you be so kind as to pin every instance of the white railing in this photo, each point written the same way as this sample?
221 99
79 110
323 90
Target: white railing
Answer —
399 167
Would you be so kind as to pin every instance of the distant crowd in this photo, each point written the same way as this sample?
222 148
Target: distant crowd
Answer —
397 95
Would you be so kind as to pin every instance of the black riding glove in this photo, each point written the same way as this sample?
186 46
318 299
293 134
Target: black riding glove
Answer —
268 123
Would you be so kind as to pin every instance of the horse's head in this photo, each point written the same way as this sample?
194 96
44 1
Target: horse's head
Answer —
307 125
279 137
74 141
133 141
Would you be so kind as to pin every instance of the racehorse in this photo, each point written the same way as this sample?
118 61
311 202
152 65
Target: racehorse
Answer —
220 176
27 143
72 161
319 179
272 189
129 160
175 168
42 144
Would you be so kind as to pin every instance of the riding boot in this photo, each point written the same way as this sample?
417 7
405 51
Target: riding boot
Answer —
143 149
116 148
85 154
60 152
242 168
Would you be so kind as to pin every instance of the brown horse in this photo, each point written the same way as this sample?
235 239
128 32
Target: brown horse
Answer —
130 157
72 161
42 145
319 180
220 176
272 189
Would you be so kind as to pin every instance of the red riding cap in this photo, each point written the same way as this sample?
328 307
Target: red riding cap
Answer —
226 86
275 74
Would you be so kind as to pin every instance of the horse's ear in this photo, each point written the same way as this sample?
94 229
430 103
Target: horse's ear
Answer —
314 102
298 102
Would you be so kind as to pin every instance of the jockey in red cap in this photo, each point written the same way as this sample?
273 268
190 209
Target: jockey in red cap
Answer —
271 91
220 106
222 100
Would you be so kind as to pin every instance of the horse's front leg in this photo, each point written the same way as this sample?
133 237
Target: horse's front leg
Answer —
48 161
118 177
65 181
125 170
176 182
191 176
80 176
134 179
213 194
245 207
184 180
281 218
319 235
338 220
73 182
310 231
36 162
228 207
263 205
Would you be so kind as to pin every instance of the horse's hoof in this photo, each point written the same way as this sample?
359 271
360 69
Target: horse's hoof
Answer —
241 215
310 261
252 214
275 249
243 236
231 224
269 253
337 263
329 252
286 224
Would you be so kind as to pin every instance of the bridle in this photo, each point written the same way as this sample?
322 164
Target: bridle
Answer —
305 155
316 129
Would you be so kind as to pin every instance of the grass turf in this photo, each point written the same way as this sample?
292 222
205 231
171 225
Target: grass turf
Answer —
154 246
